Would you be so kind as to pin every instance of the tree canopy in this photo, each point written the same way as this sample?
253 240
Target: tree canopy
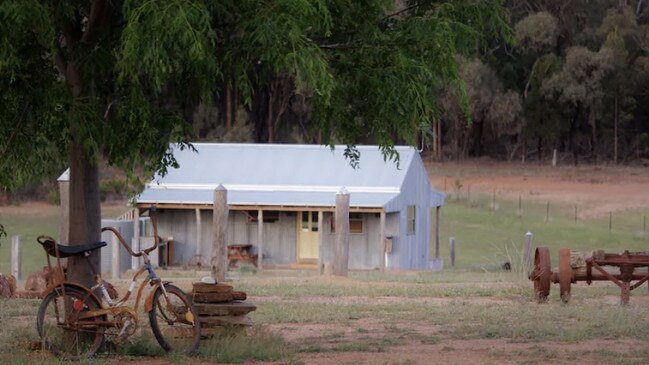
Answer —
119 80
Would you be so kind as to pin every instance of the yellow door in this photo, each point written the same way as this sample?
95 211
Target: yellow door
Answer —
307 242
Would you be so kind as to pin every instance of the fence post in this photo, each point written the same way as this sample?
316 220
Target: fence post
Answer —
219 260
575 214
547 212
493 201
16 257
527 252
468 193
451 243
115 246
341 253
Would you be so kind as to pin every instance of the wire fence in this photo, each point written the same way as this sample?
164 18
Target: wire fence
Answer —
534 208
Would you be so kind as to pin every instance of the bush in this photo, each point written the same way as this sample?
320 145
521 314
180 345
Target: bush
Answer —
53 196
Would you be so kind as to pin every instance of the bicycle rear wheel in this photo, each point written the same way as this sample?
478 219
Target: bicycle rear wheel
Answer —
61 330
174 320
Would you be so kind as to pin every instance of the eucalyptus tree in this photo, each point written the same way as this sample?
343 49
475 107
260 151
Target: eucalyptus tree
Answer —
119 79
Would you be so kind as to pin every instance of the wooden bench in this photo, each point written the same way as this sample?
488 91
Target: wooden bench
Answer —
240 254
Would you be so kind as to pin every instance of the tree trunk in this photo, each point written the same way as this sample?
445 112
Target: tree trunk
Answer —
85 213
592 121
615 122
228 107
269 120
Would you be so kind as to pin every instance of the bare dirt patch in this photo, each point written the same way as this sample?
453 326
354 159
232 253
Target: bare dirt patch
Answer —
601 189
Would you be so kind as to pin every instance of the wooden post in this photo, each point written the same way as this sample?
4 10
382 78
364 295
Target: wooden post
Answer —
527 252
554 158
16 257
219 261
260 240
547 212
64 197
115 255
520 204
451 244
341 254
135 241
199 237
575 214
468 193
437 215
382 251
320 242
493 201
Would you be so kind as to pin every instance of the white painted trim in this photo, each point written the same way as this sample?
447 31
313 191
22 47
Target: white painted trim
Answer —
277 188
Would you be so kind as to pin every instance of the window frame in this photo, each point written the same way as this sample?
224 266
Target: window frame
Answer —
411 219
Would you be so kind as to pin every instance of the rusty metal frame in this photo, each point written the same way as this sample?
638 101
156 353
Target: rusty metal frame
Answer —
58 281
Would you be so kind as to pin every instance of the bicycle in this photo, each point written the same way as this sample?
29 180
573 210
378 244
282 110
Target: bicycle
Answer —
74 323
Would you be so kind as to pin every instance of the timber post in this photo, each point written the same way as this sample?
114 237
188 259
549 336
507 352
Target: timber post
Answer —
219 260
260 240
320 242
437 250
199 237
135 241
451 244
341 254
382 239
64 200
16 257
527 252
115 255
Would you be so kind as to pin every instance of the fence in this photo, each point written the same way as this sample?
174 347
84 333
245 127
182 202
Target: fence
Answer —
528 206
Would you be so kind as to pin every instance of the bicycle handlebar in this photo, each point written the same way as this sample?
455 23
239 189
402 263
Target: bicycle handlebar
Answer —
156 239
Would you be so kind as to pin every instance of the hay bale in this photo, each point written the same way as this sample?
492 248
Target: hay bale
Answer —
36 281
6 287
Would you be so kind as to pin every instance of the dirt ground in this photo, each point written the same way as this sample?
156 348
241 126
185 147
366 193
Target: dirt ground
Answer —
601 189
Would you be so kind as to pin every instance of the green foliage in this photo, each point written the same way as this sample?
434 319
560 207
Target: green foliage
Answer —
537 32
53 196
235 345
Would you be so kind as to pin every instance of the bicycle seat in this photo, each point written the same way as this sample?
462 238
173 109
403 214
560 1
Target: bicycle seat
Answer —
67 251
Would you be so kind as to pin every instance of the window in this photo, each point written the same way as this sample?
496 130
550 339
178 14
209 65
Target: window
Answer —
270 216
309 220
355 223
411 219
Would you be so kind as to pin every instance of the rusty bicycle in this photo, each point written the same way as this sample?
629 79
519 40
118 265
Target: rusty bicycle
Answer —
73 322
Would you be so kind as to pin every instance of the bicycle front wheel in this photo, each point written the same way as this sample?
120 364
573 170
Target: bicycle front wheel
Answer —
61 325
174 320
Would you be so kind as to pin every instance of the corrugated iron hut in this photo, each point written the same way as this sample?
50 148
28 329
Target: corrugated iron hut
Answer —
291 190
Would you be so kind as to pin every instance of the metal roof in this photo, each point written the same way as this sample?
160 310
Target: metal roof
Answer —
279 175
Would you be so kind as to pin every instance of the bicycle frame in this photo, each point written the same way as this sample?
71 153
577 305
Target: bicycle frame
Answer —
115 308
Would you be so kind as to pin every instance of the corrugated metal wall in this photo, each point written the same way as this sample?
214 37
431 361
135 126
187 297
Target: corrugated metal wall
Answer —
126 230
365 249
279 236
413 249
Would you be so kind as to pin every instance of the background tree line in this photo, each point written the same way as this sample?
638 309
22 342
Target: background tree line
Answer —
575 79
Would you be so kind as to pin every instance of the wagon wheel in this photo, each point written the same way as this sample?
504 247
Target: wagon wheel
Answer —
541 274
565 274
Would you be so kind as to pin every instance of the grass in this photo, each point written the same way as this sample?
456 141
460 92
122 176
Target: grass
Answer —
375 312
240 346
29 224
485 238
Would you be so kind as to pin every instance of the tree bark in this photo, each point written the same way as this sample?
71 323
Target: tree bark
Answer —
615 123
228 107
85 213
